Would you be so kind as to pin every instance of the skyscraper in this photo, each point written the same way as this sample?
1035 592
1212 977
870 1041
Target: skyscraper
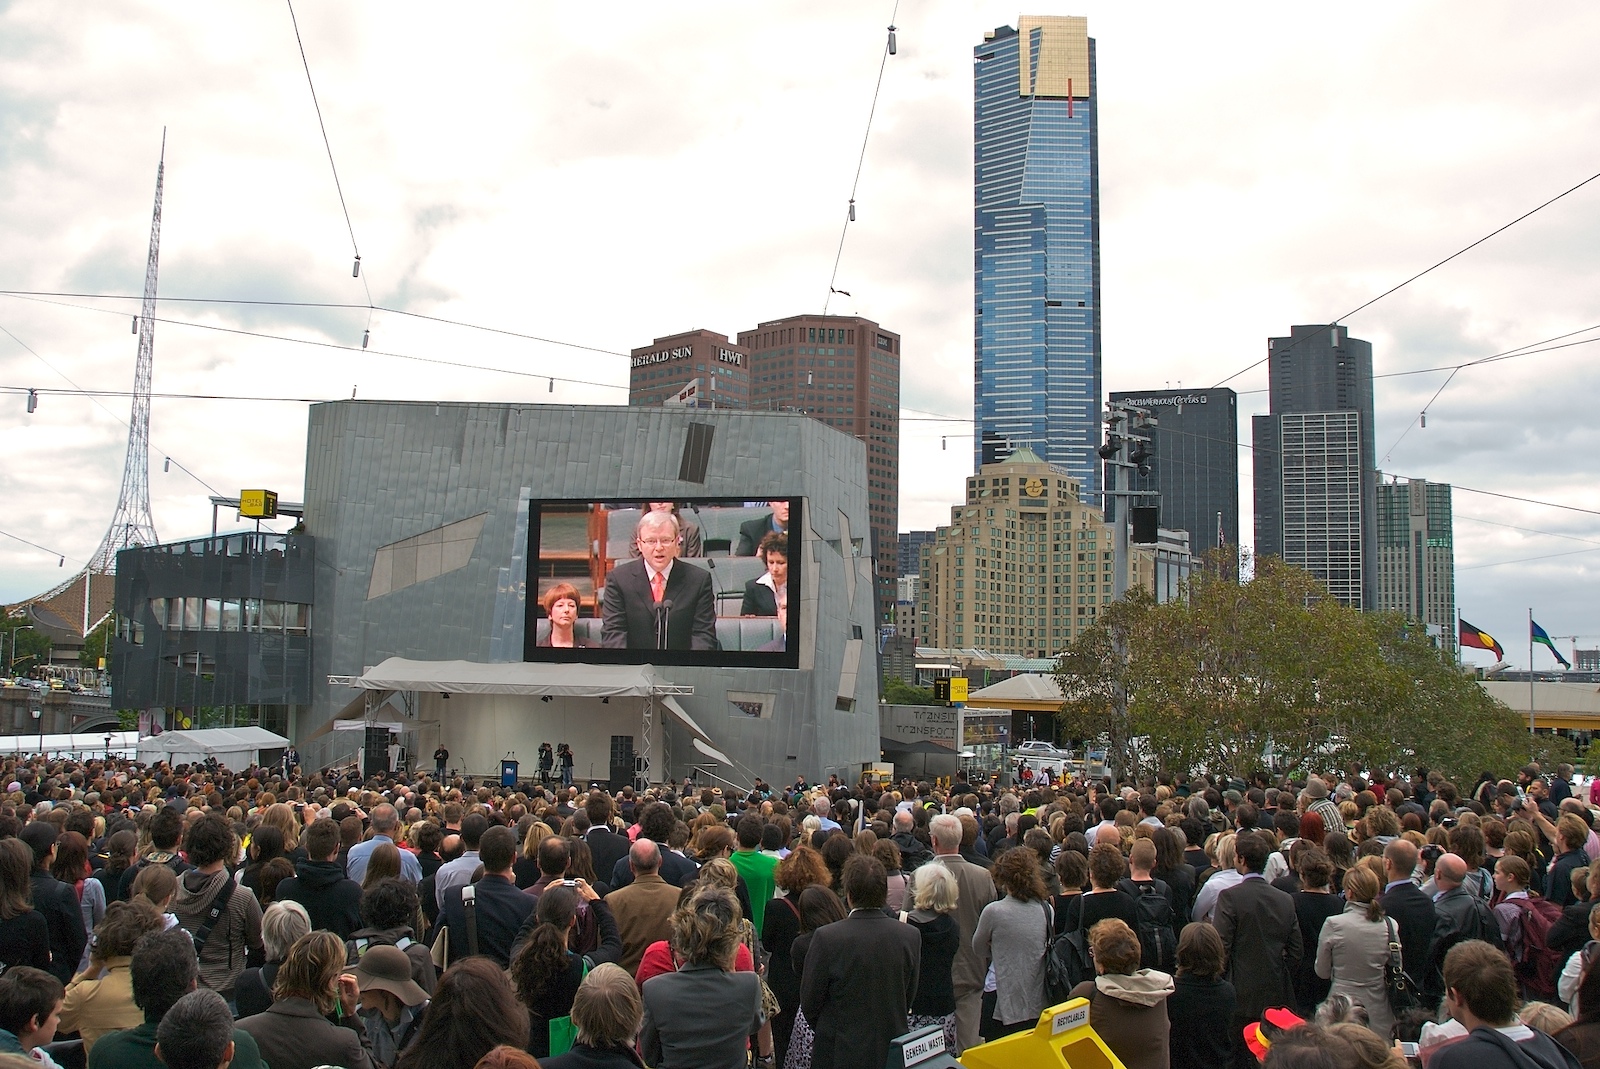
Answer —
1416 556
1315 461
1195 462
1036 246
844 371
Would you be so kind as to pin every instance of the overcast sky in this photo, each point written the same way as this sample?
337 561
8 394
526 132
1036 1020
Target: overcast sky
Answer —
604 180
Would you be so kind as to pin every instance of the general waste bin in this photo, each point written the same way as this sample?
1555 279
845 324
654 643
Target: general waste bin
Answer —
508 773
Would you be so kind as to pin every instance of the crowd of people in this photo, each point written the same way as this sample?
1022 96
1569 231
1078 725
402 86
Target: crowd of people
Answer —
200 917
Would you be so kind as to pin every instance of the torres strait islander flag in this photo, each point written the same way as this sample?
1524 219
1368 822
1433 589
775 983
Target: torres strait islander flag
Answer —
1538 637
1480 640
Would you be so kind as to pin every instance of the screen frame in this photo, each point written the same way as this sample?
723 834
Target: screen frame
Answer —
789 657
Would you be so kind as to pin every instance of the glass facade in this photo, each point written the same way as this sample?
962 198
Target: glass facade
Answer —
1195 467
1037 247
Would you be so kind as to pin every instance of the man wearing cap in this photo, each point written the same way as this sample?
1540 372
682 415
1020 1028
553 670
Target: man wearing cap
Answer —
392 1003
1320 804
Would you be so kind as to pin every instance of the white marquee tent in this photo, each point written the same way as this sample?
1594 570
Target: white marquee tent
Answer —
236 748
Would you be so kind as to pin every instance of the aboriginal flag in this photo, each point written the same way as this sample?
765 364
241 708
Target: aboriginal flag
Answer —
1480 640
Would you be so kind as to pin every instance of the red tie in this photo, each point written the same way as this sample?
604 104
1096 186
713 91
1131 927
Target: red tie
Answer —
658 583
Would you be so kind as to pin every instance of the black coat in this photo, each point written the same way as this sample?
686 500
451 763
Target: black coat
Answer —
627 610
332 900
860 980
58 904
500 908
751 532
675 869
1413 911
1261 935
607 847
759 600
1201 1016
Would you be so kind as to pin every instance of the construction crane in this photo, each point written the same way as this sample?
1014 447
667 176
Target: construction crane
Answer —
1574 640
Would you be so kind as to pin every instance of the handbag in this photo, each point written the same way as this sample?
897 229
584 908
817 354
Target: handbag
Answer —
563 1033
1397 985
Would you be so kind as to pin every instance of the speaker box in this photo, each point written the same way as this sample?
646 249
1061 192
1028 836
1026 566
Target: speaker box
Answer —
1146 520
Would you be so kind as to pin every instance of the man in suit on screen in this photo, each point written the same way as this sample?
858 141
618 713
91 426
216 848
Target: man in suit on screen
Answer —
655 596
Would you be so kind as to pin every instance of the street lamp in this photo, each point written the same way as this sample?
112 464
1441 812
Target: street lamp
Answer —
38 715
12 663
108 747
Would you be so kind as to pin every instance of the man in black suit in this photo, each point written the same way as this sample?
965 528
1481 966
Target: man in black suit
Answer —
655 824
606 846
501 909
1261 935
1412 910
751 532
56 901
639 592
861 975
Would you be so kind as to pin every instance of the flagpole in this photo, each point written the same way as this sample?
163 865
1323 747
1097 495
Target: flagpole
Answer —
1530 674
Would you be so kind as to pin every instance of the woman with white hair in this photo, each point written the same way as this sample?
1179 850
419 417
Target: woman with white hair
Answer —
281 925
935 897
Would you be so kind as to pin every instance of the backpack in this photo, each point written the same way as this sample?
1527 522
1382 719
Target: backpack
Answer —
1538 965
1067 963
1158 946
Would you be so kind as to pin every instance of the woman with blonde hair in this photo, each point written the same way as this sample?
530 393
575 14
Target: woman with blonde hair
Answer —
1353 950
607 1013
677 1033
310 987
934 897
282 816
526 868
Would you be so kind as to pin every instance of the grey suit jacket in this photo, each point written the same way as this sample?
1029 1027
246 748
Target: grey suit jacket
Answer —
859 982
293 1035
699 1018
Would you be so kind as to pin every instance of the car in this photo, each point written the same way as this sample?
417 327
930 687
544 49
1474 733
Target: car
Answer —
1039 748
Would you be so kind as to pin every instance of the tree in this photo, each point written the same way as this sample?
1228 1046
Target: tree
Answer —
897 691
1093 675
1236 677
32 646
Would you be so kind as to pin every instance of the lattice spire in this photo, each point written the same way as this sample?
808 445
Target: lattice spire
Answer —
132 524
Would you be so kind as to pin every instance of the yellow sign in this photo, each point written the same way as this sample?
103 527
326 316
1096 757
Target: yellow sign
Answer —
1033 487
258 504
958 688
1061 1040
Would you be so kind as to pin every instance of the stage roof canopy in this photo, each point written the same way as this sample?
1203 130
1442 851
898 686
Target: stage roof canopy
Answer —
518 677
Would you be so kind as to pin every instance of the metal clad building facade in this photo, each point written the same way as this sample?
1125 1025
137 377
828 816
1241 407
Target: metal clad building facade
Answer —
386 475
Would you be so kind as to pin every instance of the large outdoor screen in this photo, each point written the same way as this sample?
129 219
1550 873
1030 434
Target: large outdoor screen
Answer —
704 582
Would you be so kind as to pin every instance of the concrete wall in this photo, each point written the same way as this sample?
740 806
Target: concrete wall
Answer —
381 472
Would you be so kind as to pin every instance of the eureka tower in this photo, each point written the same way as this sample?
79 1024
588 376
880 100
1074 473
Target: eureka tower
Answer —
1036 246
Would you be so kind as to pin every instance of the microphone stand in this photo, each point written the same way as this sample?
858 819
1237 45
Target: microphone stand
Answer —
663 611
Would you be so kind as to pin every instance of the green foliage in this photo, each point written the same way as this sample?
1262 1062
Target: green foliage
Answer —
32 647
1273 671
1591 760
897 691
127 720
97 644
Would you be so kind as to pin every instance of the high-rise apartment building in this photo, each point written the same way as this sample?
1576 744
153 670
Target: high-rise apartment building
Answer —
1416 556
704 366
1036 237
1194 466
1316 480
844 371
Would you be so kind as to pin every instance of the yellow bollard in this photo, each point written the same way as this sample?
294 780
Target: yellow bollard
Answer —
1061 1040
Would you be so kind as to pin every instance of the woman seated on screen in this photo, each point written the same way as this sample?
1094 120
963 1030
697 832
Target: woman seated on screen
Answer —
769 595
561 608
